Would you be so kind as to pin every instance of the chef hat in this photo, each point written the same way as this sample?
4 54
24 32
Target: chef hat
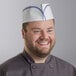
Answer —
37 13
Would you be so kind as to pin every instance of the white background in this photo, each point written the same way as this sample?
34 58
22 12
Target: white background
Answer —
11 42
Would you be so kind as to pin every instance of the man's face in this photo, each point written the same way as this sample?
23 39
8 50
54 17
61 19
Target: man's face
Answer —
39 37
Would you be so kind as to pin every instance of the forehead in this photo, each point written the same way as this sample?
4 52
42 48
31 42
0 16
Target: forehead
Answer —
41 24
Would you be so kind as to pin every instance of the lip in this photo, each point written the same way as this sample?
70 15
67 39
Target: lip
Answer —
43 44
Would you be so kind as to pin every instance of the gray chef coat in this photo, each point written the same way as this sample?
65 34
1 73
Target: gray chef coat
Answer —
23 65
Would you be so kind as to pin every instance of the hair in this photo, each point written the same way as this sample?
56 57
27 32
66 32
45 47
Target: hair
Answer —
24 25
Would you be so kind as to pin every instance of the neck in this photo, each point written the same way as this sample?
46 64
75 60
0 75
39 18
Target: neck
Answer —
35 58
39 60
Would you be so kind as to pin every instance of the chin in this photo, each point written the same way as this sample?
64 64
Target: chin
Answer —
43 55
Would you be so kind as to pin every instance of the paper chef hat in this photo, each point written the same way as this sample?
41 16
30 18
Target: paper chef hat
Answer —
37 13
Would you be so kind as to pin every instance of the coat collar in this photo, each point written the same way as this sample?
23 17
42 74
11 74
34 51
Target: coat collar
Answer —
30 60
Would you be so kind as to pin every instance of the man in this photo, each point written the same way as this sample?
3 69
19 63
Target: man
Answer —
38 32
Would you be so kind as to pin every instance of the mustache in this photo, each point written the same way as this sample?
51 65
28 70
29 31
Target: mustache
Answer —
44 40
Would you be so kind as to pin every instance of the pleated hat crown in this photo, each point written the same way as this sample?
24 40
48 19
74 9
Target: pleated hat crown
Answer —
37 13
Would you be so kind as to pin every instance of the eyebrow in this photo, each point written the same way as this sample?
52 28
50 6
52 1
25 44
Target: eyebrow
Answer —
35 28
50 28
39 28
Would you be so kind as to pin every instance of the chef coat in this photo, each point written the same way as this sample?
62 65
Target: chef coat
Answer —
23 65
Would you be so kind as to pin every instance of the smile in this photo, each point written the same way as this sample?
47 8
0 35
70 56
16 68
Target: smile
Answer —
43 43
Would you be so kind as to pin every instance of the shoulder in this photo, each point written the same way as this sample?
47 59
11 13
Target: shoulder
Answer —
62 64
61 61
13 63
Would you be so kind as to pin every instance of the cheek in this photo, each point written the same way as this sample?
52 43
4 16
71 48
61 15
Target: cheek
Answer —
34 38
31 38
52 37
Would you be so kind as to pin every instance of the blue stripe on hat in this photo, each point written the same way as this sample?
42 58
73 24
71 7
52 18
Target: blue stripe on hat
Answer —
42 11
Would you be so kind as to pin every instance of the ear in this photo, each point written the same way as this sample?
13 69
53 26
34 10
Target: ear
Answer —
23 33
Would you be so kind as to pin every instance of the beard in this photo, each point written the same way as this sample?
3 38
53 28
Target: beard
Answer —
39 52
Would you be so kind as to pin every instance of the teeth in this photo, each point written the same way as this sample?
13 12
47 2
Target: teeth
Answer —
44 43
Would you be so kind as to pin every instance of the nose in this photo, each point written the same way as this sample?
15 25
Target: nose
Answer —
44 35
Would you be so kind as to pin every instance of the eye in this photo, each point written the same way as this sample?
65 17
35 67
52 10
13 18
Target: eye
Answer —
36 31
50 30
